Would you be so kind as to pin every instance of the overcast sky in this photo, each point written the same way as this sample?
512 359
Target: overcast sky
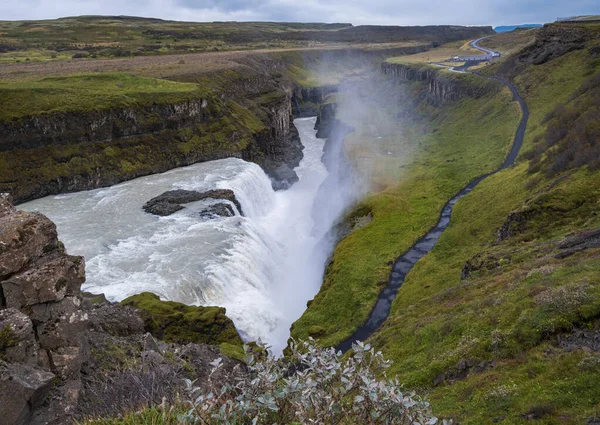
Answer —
382 12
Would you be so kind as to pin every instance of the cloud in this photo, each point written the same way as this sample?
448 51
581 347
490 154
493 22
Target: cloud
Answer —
381 12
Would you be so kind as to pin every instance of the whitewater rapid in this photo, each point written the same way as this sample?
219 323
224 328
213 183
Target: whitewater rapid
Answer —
262 268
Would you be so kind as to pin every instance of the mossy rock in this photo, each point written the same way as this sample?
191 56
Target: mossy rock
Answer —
176 322
232 350
316 331
7 340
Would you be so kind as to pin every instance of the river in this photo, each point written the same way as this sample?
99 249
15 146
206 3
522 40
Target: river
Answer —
262 267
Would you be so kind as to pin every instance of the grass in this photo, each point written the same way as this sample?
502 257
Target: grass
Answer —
86 92
509 42
145 416
446 161
502 312
505 314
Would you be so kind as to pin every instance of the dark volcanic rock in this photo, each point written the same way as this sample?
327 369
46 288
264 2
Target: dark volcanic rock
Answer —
116 320
170 201
553 41
580 339
51 278
17 340
175 322
579 242
23 389
483 261
42 327
283 177
24 237
221 209
325 120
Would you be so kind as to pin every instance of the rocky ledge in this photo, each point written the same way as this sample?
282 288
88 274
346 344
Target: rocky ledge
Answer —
66 356
170 201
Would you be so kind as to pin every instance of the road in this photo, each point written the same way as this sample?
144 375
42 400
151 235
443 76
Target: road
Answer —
475 44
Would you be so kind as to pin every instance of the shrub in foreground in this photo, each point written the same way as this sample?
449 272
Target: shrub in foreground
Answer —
312 386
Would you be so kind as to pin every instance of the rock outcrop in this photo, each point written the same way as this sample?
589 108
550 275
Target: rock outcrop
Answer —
42 325
306 100
325 120
218 210
170 201
171 321
64 355
440 88
283 177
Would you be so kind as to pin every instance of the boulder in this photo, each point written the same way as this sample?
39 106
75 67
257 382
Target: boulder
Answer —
51 278
60 324
66 362
170 201
17 340
218 210
116 320
6 204
283 177
23 388
24 237
42 326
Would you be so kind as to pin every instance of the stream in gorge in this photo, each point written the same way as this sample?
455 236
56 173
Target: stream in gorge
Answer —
262 268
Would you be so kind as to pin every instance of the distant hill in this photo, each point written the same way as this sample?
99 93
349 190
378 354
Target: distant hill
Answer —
117 36
507 28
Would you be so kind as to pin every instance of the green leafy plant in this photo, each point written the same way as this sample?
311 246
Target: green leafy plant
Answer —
313 385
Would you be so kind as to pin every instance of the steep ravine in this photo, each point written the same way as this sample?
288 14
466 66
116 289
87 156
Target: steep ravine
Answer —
402 265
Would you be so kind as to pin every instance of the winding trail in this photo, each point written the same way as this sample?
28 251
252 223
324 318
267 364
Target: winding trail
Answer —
405 262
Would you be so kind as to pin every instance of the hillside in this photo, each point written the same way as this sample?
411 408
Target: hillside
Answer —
122 36
500 321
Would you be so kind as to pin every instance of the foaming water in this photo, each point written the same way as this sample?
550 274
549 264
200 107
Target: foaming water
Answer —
262 267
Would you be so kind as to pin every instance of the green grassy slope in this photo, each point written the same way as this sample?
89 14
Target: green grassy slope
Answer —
466 139
489 338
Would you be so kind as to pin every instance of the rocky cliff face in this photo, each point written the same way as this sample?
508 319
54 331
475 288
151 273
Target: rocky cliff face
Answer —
440 88
103 125
306 100
551 42
56 153
279 146
63 355
42 324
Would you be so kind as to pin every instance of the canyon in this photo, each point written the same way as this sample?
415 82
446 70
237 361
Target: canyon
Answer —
325 167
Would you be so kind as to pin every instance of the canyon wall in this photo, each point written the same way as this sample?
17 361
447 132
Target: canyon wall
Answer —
441 85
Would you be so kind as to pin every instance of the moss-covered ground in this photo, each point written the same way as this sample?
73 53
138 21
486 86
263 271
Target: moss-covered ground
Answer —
176 322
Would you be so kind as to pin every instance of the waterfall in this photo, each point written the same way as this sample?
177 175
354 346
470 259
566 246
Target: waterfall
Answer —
262 267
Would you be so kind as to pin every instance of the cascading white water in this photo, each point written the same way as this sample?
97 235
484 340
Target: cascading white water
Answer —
263 267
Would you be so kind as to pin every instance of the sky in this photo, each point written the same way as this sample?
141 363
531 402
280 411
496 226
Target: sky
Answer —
357 12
